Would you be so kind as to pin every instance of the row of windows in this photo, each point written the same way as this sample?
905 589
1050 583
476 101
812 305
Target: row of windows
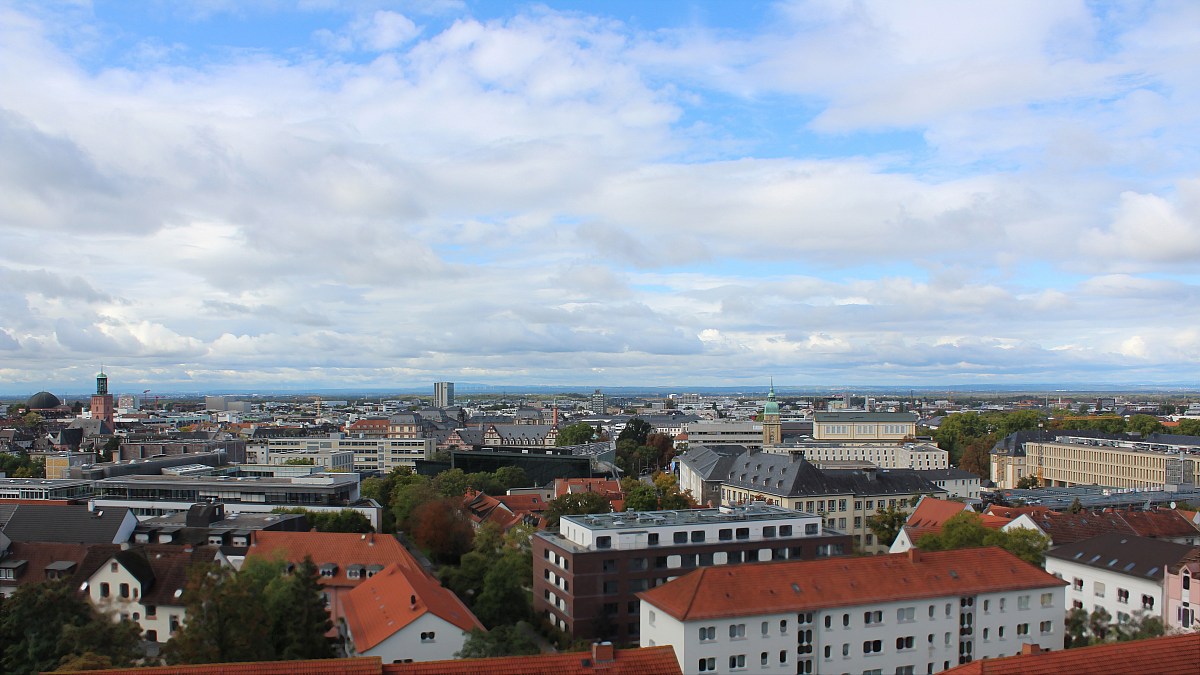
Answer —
1099 590
738 661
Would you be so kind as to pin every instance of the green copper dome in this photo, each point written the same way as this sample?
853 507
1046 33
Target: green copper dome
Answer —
771 408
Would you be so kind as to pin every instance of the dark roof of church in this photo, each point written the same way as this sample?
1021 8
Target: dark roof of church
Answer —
43 400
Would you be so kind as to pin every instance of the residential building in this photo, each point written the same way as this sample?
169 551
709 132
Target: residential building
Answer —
403 614
36 561
1181 591
703 469
1171 655
1120 573
914 612
845 498
505 511
144 584
930 515
1067 528
599 403
1068 460
443 394
603 659
586 575
916 456
70 523
368 427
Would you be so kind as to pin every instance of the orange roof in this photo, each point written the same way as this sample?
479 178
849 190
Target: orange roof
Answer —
931 514
1173 655
717 592
394 598
340 548
358 666
644 661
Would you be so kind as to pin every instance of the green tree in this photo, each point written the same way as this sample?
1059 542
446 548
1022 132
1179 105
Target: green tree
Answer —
641 497
509 477
1029 482
1188 427
410 492
966 530
500 641
344 520
575 504
297 610
43 625
886 524
1076 625
1076 506
301 461
504 598
957 430
451 483
635 431
1144 425
575 434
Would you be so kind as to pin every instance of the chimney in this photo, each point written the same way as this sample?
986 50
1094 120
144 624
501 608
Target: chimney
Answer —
1030 648
914 555
603 652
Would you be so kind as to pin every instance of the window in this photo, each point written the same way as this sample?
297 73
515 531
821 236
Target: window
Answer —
427 637
1000 632
151 611
783 627
173 624
931 611
652 539
1003 601
681 537
828 621
811 528
1122 596
610 588
1098 589
708 665
785 530
769 531
904 642
763 659
845 649
1077 584
783 656
1187 581
872 646
1022 629
845 621
875 617
1077 604
828 651
697 536
104 589
841 505
1023 602
804 618
1047 599
1147 602
905 614
737 661
725 534
985 633
737 631
708 633
857 522
112 567
638 564
604 542
1047 627
948 607
651 617
609 565
152 635
766 627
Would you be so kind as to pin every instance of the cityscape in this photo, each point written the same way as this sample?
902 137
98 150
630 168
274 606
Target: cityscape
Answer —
439 337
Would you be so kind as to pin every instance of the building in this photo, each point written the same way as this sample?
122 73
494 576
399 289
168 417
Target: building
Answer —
443 394
162 495
914 612
1068 460
852 425
703 470
101 407
929 517
1067 528
369 454
1181 590
59 464
745 434
1120 573
916 456
1171 655
403 614
846 498
599 403
956 482
35 562
586 575
771 426
208 524
44 489
144 584
66 523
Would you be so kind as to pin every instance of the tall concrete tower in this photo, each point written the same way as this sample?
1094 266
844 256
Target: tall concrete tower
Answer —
102 402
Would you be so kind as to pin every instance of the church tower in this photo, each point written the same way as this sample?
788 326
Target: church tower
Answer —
772 427
102 402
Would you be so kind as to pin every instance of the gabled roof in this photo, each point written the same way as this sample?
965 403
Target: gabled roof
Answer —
726 591
1172 655
73 523
340 548
356 666
161 568
394 598
644 661
38 556
1068 528
1140 557
1162 523
790 475
712 462
931 514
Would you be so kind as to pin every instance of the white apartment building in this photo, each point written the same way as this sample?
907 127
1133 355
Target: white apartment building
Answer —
916 612
1120 573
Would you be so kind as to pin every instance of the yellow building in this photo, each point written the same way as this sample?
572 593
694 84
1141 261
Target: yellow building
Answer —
1118 463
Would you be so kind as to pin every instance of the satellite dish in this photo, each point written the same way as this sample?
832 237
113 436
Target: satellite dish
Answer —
1172 506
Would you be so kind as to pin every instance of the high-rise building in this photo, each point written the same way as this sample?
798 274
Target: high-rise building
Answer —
102 402
443 394
599 403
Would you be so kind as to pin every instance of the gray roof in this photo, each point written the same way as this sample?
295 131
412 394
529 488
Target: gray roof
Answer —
946 474
862 416
1140 557
790 475
66 524
712 462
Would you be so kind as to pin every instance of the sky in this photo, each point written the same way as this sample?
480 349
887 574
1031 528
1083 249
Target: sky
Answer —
260 194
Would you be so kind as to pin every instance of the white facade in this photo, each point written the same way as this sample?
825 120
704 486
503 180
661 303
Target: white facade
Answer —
749 434
886 456
644 530
912 636
428 638
1121 595
369 454
116 593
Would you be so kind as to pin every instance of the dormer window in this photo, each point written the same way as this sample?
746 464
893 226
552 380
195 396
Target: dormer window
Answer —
328 570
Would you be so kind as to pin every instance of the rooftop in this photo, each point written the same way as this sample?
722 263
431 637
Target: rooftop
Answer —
721 592
646 519
1172 655
1140 557
644 661
390 600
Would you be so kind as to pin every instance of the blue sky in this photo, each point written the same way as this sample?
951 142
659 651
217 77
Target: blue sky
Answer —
318 194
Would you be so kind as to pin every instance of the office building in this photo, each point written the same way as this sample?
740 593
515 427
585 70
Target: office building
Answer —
443 394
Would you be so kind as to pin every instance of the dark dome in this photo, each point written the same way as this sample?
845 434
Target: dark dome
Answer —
43 400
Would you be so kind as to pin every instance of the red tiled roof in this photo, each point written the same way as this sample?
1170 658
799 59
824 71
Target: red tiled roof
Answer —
1173 655
340 548
394 598
37 555
717 592
644 661
1162 524
357 666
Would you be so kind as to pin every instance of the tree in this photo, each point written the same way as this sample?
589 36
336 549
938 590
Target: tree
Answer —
296 605
976 458
1188 427
111 447
1144 425
451 483
1076 624
1098 623
344 520
1028 545
886 524
503 598
957 430
1029 482
575 504
575 434
641 497
499 641
663 446
509 477
966 530
301 461
43 625
441 528
1076 506
635 431
410 492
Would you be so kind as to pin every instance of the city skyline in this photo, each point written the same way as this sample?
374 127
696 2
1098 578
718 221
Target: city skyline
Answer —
211 196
